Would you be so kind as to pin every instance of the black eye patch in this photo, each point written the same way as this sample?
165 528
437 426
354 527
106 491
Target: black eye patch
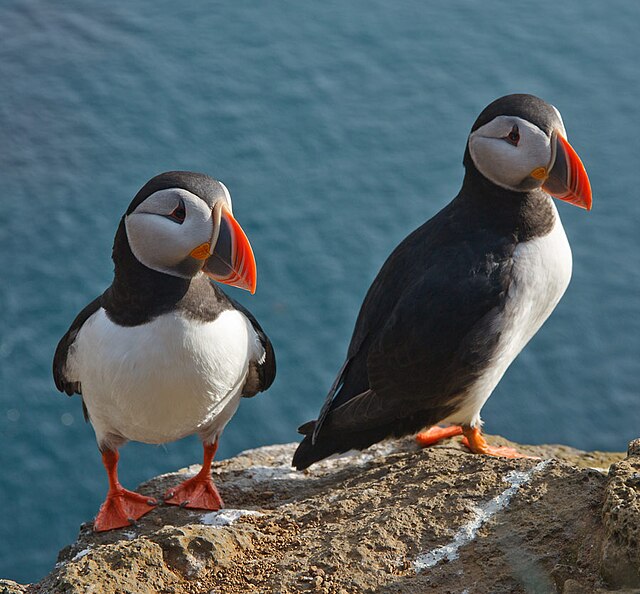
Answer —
514 136
178 214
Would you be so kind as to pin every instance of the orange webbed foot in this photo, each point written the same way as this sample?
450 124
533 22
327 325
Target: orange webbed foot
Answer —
435 434
196 493
122 508
475 441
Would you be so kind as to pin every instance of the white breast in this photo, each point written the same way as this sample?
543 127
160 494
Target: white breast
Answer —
162 380
541 274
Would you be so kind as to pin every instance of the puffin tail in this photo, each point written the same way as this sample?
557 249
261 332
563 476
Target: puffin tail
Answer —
308 452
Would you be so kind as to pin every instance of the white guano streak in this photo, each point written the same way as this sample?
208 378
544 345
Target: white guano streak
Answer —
482 515
226 517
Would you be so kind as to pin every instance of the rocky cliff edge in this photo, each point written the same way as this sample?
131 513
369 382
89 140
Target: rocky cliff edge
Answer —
390 519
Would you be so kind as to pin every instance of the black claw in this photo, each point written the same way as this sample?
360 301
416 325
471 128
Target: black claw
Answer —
152 502
184 503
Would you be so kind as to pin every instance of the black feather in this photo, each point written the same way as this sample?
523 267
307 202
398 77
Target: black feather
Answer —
62 350
266 370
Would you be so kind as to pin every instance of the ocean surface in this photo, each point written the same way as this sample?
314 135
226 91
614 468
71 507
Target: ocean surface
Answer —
338 128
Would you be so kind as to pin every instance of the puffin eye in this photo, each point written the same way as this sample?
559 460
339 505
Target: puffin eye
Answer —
178 214
514 136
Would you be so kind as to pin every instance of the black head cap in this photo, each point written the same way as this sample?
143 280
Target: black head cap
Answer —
528 107
127 267
207 188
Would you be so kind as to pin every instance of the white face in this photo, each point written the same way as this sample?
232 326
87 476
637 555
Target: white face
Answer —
165 228
509 149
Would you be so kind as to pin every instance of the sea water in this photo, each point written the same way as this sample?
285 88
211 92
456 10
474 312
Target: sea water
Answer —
338 128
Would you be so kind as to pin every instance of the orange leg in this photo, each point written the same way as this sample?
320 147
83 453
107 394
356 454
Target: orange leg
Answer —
121 507
198 492
474 440
435 434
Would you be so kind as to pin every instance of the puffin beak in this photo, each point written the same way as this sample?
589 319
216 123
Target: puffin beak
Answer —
567 179
231 261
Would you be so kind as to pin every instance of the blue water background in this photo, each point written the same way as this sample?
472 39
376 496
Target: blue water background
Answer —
338 127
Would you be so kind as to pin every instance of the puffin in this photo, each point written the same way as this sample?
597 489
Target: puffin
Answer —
459 298
164 353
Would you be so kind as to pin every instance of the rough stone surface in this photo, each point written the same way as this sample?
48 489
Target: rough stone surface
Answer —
9 587
621 519
392 519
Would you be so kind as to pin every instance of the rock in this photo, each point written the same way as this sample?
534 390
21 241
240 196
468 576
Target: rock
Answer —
392 519
621 519
9 587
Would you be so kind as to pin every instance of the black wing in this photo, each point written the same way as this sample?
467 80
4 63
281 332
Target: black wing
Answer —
435 344
63 383
428 325
262 372
389 286
382 296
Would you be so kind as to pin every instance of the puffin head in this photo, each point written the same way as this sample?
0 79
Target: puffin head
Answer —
180 223
519 143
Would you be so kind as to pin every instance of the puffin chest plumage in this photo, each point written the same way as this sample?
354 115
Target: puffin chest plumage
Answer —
539 277
163 380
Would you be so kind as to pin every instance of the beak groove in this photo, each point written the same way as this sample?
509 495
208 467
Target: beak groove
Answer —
568 178
231 261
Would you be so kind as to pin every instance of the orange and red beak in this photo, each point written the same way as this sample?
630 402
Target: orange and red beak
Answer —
567 179
231 260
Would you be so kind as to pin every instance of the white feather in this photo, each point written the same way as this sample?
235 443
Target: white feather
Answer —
541 274
163 380
162 244
503 163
